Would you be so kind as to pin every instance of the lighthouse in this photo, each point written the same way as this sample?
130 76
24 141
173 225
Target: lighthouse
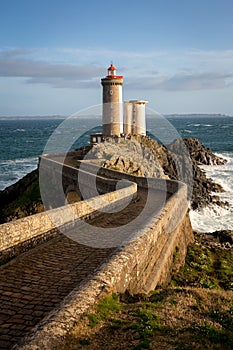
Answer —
135 117
114 123
112 115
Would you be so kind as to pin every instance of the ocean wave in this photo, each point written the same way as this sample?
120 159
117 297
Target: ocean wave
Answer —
226 155
18 161
19 130
199 124
212 218
189 131
14 170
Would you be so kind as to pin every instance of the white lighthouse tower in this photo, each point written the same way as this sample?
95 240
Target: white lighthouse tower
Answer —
135 117
112 117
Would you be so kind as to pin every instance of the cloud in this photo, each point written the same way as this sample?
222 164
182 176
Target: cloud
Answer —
211 54
56 74
186 70
196 81
61 82
184 82
15 52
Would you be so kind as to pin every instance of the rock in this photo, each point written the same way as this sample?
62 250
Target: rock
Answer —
140 156
217 239
128 156
21 199
224 236
201 154
202 186
181 160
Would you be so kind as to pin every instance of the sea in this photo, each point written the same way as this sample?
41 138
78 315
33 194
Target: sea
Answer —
22 140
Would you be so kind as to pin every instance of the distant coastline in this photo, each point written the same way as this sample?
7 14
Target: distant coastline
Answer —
30 117
193 115
62 117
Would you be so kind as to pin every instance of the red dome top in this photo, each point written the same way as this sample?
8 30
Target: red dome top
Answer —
112 73
112 67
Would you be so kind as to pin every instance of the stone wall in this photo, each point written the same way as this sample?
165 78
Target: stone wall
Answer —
20 235
23 234
139 266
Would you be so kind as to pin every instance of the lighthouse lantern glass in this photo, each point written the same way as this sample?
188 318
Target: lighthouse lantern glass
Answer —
111 72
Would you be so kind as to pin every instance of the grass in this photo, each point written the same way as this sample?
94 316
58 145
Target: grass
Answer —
146 322
104 309
194 312
205 268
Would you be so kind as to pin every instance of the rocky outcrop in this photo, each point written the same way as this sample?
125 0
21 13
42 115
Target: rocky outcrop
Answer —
217 239
21 199
127 156
181 160
200 154
140 156
203 187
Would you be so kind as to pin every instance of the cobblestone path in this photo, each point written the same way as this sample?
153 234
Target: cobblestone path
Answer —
35 282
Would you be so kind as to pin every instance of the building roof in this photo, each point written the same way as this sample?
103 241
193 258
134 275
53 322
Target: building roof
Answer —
112 67
139 102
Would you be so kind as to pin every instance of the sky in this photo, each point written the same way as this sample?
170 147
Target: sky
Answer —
177 54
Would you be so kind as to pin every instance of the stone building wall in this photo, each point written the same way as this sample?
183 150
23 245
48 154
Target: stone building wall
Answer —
112 106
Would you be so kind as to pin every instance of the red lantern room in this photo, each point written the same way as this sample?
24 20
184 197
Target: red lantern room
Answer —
112 73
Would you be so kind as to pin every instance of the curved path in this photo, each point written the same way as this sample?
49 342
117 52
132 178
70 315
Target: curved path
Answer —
35 282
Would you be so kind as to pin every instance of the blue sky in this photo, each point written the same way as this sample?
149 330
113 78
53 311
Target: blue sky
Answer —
178 54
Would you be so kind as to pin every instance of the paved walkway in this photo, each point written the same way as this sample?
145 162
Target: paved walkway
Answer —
36 282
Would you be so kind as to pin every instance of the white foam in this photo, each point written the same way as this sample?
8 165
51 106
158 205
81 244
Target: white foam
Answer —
19 130
19 160
14 170
226 155
213 217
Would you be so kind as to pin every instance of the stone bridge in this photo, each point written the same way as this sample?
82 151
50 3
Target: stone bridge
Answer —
56 266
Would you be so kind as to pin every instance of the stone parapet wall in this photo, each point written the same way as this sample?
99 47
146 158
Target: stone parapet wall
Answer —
159 246
139 266
17 236
171 186
21 235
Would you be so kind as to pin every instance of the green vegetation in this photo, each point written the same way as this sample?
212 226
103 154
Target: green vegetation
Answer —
145 322
194 312
104 309
206 268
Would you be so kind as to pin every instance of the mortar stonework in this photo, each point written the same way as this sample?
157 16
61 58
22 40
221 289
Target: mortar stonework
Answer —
138 266
124 271
20 235
112 106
